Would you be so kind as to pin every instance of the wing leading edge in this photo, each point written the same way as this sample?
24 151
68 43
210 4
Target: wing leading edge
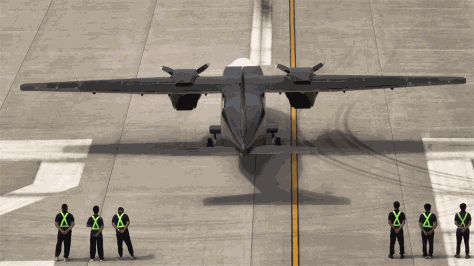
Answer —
134 86
347 83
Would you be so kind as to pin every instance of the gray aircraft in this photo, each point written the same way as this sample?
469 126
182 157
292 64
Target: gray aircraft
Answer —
243 87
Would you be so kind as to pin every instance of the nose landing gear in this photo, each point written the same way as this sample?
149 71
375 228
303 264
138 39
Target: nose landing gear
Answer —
274 129
278 141
213 130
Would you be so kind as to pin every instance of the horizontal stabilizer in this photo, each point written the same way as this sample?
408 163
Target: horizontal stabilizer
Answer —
219 150
284 149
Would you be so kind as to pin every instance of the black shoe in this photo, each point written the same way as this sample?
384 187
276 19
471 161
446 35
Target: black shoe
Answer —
390 256
457 256
402 256
467 256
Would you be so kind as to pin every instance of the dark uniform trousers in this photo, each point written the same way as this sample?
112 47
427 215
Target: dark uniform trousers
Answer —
67 244
428 238
100 246
124 237
393 237
459 236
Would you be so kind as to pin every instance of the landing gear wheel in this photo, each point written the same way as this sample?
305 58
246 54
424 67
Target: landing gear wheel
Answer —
210 143
278 141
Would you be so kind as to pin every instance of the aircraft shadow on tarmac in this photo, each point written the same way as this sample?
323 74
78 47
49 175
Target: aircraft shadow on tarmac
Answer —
265 170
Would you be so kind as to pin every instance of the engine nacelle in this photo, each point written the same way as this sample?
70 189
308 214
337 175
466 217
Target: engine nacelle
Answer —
300 100
184 102
301 76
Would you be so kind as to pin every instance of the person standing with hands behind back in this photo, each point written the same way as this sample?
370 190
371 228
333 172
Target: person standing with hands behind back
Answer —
462 221
428 223
120 222
64 222
396 220
97 225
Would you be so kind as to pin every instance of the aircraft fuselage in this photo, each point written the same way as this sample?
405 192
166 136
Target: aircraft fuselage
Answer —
243 105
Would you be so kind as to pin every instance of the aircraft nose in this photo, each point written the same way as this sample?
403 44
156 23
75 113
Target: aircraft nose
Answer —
241 146
243 150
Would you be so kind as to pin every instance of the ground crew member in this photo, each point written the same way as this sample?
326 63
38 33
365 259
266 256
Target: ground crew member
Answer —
396 220
97 225
120 222
428 223
64 222
462 220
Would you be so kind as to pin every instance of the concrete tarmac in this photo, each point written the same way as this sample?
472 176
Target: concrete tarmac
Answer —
203 209
370 142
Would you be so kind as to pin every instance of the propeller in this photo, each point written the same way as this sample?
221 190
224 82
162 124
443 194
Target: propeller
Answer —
171 71
167 70
317 67
202 68
300 75
283 68
287 70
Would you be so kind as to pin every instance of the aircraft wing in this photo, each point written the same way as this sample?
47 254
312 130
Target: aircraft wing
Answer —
134 86
323 83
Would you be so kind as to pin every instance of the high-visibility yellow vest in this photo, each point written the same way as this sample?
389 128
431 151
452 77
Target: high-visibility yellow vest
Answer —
120 223
462 220
427 221
396 222
95 226
64 223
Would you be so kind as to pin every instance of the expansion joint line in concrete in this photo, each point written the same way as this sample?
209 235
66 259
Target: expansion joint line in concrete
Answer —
390 123
146 39
130 101
375 36
294 158
24 58
116 153
398 170
253 210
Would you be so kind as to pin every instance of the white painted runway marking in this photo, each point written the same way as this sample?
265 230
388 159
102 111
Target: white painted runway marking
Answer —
52 177
16 150
261 35
452 179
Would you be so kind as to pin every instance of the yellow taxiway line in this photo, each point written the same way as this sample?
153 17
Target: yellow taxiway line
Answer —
294 158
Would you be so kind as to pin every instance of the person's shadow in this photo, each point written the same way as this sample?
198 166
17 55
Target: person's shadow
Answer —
115 258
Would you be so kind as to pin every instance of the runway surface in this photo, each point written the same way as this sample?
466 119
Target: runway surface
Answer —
412 145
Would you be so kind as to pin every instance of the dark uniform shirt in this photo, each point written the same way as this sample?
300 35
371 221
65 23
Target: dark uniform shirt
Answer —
91 223
125 219
432 220
401 218
458 221
69 219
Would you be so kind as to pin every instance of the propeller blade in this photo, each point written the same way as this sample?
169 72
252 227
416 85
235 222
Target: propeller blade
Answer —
202 68
167 70
283 68
317 67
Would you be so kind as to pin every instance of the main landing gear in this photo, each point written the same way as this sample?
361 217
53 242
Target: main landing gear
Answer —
274 129
213 130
